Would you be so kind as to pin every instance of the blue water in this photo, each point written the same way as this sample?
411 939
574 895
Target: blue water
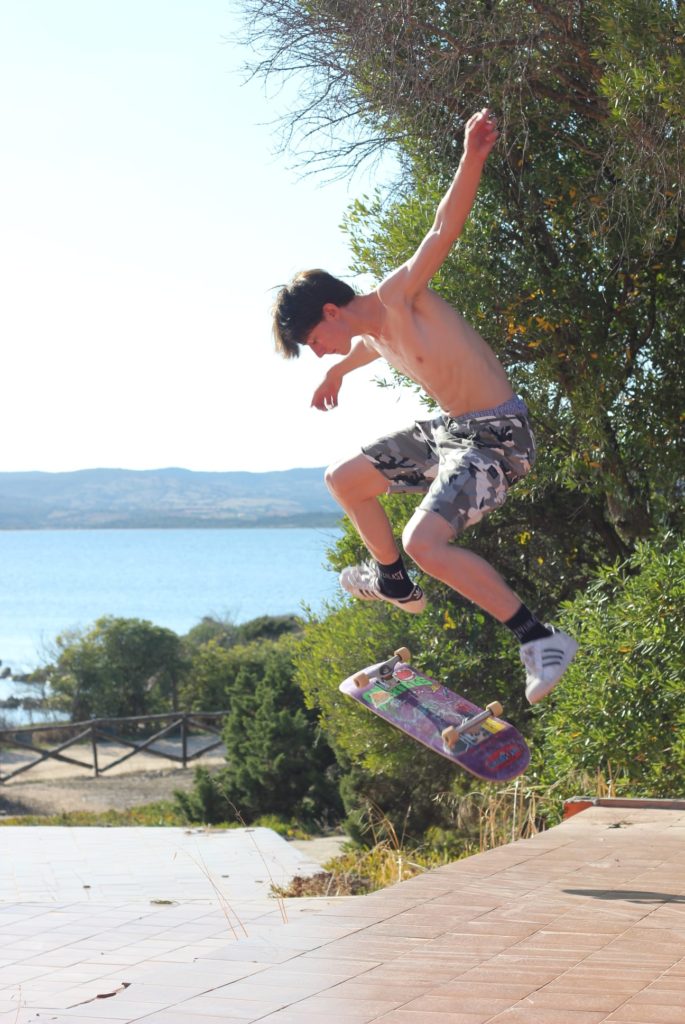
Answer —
53 580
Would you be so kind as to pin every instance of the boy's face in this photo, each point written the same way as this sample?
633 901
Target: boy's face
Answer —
330 336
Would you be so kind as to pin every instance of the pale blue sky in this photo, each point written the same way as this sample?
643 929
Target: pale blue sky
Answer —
145 217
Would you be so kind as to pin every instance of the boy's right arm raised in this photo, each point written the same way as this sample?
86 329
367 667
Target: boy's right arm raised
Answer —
451 215
326 395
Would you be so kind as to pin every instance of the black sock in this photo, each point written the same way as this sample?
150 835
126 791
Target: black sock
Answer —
394 579
526 627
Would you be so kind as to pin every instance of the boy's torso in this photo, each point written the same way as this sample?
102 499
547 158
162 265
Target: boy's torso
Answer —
434 346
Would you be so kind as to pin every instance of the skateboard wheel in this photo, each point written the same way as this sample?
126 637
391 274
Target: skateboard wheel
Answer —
360 680
449 736
495 709
404 654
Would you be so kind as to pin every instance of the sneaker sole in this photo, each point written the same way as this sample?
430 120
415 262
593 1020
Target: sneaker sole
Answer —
412 605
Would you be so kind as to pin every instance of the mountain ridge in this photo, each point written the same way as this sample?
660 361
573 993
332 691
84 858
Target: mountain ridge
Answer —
170 497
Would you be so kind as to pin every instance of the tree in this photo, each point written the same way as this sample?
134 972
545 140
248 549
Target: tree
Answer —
216 653
116 668
598 81
211 671
277 760
572 264
227 633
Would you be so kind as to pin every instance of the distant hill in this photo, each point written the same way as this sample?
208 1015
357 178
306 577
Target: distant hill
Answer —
134 499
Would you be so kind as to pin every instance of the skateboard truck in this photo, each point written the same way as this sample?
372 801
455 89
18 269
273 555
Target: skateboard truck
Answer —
385 669
451 734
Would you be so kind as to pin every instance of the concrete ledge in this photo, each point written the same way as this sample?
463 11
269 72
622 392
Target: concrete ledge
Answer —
581 803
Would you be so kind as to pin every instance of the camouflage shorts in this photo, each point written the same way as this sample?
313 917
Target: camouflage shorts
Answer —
465 466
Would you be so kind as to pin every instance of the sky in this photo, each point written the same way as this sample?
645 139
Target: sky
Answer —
146 219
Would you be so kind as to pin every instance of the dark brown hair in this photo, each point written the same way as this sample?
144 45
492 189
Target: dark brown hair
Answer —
299 307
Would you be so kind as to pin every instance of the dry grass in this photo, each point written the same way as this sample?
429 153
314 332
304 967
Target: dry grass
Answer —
484 819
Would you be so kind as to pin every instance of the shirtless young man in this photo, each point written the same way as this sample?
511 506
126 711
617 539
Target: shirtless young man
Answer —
464 459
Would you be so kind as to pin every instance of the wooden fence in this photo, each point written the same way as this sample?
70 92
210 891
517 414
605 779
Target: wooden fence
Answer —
114 731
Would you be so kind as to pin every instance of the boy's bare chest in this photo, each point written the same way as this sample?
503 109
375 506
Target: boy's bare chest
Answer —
419 340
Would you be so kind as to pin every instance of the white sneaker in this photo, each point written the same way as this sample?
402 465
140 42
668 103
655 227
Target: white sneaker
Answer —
545 661
362 581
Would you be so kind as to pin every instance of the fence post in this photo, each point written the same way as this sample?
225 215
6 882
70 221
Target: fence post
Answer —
94 745
184 738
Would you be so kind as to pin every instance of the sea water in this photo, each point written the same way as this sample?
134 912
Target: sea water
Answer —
56 580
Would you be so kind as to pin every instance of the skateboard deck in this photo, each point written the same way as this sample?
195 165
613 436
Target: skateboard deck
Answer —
476 739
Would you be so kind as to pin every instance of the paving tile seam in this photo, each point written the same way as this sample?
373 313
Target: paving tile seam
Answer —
645 989
523 1003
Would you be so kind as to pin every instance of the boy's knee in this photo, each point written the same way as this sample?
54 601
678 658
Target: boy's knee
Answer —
338 478
354 478
420 546
424 539
329 478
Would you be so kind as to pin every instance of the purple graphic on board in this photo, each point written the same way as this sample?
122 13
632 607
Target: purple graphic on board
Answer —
422 707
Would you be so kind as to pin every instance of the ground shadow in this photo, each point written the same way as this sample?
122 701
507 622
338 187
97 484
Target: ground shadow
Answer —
631 895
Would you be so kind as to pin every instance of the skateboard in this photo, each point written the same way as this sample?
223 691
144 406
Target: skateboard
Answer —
477 739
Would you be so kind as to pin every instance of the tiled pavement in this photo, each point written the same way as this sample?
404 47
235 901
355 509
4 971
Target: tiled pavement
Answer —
582 924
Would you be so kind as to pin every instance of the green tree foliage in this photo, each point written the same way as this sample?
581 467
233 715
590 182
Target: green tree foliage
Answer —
211 671
278 761
596 86
215 652
227 633
117 667
621 710
572 264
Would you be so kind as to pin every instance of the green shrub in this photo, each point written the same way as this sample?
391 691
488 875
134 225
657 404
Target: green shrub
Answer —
278 761
117 667
619 714
206 802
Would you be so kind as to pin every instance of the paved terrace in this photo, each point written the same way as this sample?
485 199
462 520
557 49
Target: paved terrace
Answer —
580 925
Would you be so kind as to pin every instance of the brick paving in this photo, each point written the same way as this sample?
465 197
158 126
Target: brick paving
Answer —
582 924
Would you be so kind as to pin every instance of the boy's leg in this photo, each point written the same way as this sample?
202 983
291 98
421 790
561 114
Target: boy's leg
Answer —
546 653
480 457
427 540
356 484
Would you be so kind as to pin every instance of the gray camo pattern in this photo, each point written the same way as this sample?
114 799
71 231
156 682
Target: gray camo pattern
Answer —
465 466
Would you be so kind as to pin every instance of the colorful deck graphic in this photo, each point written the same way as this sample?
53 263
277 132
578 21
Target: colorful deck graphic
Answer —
422 707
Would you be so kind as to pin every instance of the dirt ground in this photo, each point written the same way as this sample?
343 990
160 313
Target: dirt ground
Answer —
52 786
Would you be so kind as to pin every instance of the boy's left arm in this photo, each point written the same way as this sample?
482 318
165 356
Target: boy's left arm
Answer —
450 217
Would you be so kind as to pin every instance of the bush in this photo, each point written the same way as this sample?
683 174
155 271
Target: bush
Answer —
216 651
620 711
118 667
278 761
206 802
